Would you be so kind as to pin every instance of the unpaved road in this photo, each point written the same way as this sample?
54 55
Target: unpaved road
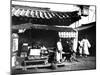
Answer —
83 64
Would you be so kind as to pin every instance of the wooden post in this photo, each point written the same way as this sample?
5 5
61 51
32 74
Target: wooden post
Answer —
14 42
14 48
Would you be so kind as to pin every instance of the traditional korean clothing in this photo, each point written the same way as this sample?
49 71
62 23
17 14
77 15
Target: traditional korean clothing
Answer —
59 52
86 45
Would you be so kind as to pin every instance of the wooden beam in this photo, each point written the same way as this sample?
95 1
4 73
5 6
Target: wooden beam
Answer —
46 27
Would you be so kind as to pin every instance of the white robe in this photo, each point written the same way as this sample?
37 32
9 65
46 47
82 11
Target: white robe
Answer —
60 48
58 56
80 47
86 45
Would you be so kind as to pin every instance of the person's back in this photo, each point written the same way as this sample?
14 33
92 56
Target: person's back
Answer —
86 45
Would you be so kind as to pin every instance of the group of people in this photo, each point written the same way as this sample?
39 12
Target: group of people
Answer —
84 44
60 57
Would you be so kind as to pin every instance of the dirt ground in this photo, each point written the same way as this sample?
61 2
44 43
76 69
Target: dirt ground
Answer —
88 63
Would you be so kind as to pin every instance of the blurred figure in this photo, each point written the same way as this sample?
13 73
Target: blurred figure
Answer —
86 45
59 52
80 48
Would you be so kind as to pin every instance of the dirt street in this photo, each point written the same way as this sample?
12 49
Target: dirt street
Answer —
82 64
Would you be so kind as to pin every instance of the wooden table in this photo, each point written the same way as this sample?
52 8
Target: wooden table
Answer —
44 60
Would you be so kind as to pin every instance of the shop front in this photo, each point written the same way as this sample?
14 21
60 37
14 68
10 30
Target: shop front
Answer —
35 33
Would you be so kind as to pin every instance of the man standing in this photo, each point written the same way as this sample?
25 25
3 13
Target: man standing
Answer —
86 45
59 52
80 47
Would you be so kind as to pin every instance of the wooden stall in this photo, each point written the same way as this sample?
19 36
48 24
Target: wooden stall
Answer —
38 30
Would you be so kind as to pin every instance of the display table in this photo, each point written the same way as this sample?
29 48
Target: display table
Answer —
35 62
35 58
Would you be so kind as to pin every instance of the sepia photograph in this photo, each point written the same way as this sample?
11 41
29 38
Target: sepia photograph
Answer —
52 37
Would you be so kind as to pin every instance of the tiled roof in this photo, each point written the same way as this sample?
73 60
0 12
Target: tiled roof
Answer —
41 13
24 17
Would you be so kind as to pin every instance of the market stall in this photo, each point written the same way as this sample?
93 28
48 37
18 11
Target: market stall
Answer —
38 30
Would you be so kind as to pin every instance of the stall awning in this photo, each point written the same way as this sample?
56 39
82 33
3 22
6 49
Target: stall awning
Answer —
42 16
37 26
